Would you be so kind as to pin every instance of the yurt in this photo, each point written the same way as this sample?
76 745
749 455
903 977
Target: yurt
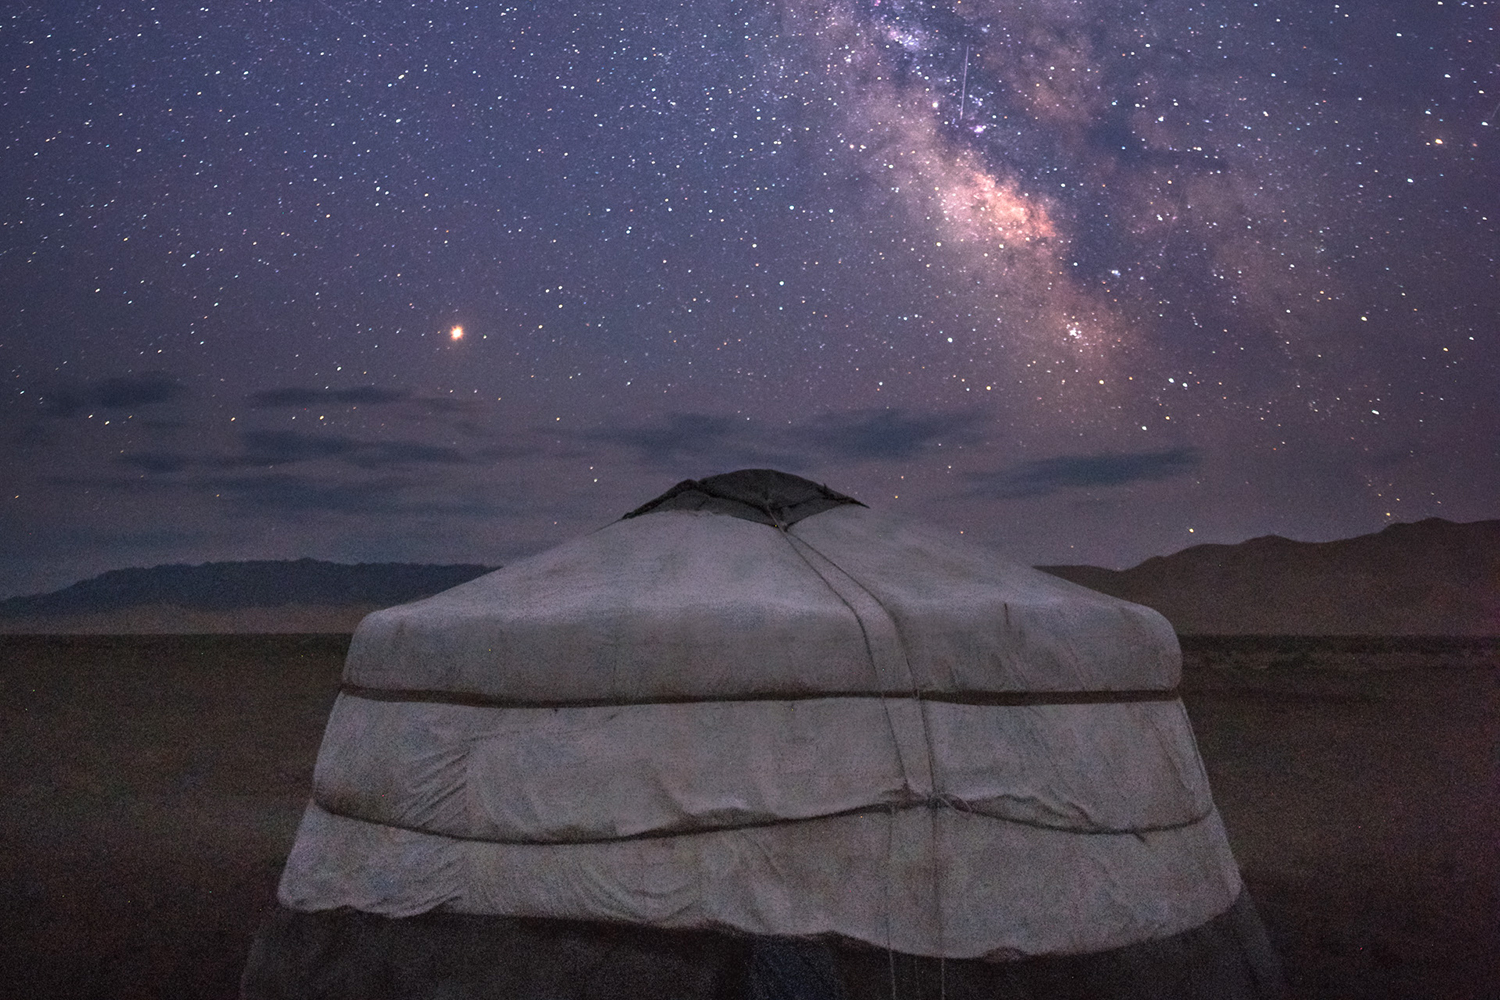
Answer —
756 739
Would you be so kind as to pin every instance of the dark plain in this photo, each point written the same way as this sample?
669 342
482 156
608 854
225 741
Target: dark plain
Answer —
154 783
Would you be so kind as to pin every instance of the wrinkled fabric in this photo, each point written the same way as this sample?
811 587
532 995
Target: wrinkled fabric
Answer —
933 882
590 773
705 605
851 726
347 955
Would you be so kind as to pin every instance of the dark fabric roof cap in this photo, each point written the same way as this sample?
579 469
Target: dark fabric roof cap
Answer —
765 496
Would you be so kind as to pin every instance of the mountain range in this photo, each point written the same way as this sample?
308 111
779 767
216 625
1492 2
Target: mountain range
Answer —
1431 577
301 595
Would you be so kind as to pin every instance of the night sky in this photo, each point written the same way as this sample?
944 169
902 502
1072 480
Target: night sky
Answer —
434 281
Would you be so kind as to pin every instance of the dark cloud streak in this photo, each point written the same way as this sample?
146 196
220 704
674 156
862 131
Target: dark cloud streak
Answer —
298 397
283 493
1046 476
851 436
888 435
119 392
269 448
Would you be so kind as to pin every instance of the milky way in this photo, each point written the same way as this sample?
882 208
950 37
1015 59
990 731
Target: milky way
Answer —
1093 280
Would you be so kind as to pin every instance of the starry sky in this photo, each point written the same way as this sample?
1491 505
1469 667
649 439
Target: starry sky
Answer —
436 281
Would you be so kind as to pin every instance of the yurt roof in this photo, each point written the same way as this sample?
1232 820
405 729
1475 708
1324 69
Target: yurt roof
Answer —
761 583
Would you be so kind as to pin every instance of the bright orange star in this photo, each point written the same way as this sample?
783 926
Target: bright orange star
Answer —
457 333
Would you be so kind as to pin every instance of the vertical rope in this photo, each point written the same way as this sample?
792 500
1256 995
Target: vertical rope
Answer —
890 848
869 655
937 799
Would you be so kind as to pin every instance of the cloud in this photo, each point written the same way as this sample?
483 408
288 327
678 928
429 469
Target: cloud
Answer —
136 390
1046 476
720 442
282 447
298 397
116 393
383 453
284 493
870 435
157 461
263 448
694 438
266 447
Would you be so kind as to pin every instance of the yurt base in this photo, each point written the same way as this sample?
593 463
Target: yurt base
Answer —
341 954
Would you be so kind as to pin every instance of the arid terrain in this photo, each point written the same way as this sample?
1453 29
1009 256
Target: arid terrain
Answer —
153 785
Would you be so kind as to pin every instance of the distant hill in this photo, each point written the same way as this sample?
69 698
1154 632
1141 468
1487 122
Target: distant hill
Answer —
303 595
1432 577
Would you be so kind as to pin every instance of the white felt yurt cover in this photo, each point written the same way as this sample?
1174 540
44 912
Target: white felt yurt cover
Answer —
756 705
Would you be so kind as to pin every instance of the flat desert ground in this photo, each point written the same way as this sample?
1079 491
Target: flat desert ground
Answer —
152 785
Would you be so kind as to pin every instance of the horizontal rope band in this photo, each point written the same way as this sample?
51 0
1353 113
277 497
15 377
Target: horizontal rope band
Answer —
999 698
934 802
